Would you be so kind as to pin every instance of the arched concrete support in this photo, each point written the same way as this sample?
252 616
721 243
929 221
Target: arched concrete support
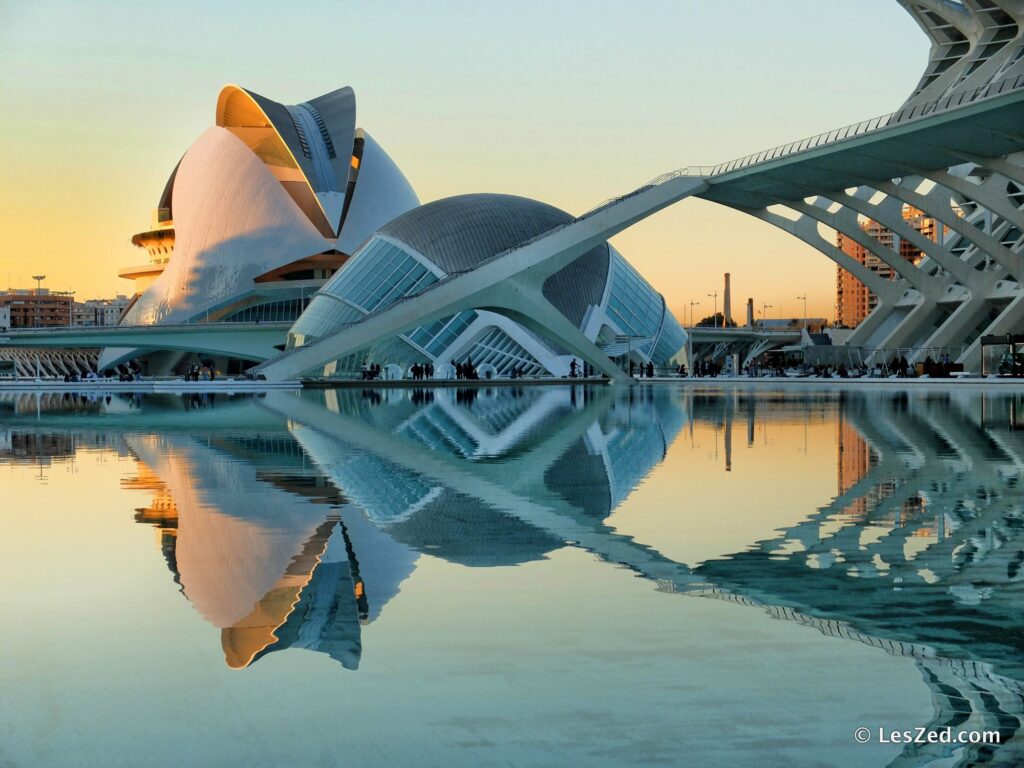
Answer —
937 203
806 229
889 213
526 304
970 46
1004 166
961 322
912 328
990 194
846 222
1009 321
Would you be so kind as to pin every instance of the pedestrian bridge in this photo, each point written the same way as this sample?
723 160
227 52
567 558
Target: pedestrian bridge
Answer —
748 342
249 341
829 181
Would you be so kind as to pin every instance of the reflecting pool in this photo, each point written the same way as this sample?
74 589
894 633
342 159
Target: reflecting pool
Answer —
511 576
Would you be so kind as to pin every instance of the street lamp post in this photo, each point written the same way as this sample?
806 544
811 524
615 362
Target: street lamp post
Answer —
37 313
692 305
804 300
714 314
764 315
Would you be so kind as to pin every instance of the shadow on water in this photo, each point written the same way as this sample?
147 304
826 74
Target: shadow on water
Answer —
290 520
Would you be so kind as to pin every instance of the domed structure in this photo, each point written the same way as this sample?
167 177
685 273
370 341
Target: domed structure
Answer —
262 209
599 292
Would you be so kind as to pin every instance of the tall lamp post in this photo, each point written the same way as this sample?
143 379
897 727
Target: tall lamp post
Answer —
714 314
37 315
692 305
804 300
764 315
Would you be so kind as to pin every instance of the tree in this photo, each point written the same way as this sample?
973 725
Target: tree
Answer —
716 320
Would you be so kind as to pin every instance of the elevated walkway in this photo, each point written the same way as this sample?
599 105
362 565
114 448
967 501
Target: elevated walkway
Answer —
250 341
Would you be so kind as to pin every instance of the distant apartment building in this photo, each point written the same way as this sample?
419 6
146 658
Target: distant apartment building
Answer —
99 311
37 307
854 302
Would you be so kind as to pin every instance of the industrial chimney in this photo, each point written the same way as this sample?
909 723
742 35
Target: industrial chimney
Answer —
750 313
727 303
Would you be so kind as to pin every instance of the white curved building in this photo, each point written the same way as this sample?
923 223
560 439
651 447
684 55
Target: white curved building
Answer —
264 207
599 293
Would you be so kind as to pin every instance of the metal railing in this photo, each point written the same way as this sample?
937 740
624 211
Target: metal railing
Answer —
907 114
892 119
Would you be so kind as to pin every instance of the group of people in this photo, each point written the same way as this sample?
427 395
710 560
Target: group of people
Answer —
200 373
370 371
644 369
706 368
465 370
420 372
132 373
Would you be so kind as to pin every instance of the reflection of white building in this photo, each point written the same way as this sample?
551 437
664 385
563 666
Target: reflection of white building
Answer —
262 209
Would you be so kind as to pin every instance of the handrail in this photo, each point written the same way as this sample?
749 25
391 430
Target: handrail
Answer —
906 114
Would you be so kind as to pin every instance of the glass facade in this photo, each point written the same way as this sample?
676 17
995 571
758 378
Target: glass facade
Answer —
269 312
671 340
634 306
377 275
499 349
438 336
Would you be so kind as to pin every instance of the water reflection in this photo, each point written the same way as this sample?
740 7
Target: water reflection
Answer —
291 520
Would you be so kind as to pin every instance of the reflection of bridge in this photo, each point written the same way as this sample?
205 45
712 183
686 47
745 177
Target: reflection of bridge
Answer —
921 554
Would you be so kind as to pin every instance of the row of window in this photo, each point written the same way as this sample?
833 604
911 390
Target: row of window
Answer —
271 312
379 274
632 304
499 349
436 337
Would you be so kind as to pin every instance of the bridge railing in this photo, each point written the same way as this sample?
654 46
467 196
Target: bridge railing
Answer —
907 114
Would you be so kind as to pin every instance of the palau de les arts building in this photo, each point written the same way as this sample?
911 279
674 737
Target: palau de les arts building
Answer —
291 214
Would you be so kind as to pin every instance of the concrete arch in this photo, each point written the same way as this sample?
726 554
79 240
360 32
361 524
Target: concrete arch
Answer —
937 204
845 221
889 213
805 228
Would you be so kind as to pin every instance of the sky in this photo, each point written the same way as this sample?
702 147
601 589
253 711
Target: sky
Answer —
566 101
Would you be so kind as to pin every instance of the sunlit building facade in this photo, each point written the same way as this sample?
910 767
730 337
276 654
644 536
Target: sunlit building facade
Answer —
259 212
37 307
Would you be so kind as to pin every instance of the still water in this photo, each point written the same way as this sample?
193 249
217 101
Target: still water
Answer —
528 577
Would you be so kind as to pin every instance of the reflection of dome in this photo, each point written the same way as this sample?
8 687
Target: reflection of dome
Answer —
462 530
598 292
271 197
